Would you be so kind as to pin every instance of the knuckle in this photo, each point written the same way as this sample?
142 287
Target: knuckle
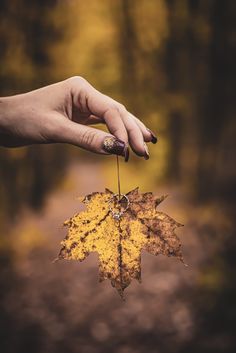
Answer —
77 80
122 109
117 107
88 138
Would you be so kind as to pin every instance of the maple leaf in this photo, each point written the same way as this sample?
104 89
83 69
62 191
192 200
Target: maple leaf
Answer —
118 230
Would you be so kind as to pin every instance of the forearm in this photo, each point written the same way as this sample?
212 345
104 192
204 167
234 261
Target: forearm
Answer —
4 115
14 121
5 119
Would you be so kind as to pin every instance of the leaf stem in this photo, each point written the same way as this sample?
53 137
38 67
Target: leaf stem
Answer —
118 175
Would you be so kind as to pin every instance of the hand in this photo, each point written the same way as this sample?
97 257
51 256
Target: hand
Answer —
62 112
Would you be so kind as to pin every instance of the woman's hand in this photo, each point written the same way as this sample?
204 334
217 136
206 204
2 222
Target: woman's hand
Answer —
62 112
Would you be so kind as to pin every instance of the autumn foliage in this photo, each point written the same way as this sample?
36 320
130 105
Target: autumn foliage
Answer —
120 240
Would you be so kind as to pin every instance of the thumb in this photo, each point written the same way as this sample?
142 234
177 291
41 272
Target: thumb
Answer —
92 139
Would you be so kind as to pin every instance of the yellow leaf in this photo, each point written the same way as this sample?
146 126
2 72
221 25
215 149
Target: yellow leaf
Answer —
118 229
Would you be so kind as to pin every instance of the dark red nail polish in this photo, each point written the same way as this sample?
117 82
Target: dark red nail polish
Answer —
126 154
154 137
114 145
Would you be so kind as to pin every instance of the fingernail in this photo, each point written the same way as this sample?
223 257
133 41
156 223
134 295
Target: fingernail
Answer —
154 137
114 145
146 156
126 154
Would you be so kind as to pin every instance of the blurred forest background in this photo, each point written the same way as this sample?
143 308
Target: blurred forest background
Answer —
172 63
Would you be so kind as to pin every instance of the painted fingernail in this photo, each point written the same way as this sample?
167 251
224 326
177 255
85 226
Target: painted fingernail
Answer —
114 145
146 156
154 137
126 154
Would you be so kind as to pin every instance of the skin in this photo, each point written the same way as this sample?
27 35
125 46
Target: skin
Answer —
62 112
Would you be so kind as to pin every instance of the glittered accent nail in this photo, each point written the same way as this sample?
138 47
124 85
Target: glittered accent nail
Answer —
114 145
154 137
